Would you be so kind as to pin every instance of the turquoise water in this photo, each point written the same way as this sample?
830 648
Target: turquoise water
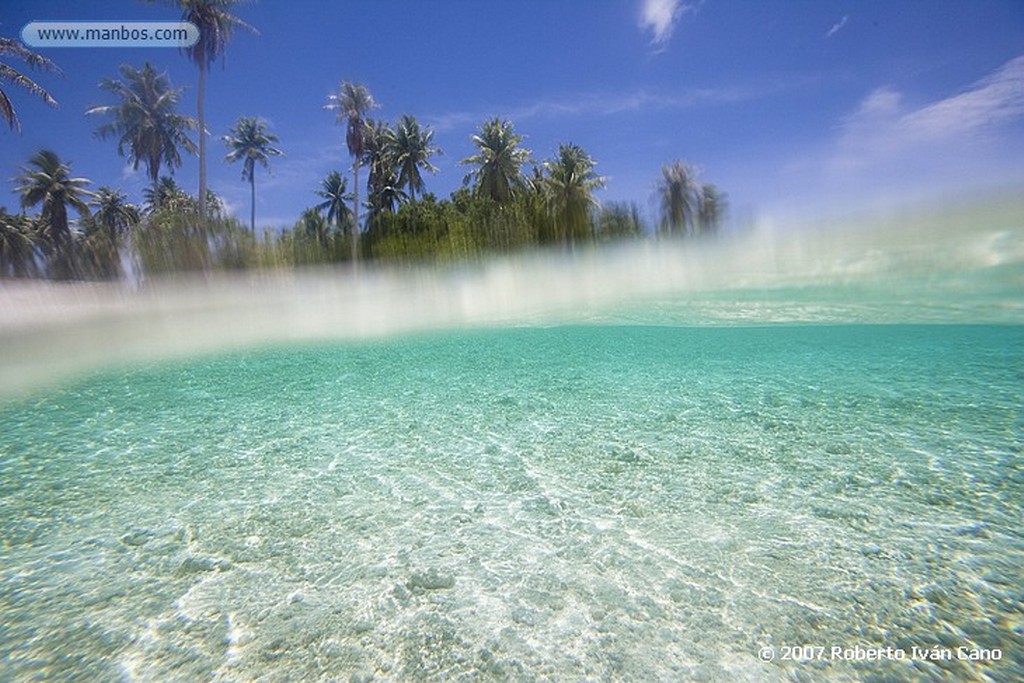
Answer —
572 502
707 461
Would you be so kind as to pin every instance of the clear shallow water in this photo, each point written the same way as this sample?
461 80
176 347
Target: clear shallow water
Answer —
572 503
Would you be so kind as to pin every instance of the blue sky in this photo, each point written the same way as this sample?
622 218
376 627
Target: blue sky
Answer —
787 106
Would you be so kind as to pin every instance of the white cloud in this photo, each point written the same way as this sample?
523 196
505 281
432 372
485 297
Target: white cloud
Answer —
882 127
993 100
890 150
838 25
610 103
660 18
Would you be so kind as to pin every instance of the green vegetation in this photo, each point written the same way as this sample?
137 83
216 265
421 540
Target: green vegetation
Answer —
107 231
19 240
507 201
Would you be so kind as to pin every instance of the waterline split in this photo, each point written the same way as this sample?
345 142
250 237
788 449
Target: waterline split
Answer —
956 265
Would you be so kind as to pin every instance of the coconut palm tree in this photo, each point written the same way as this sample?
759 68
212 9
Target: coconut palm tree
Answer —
312 224
381 158
46 180
8 74
167 195
113 219
215 22
352 103
677 191
711 205
250 140
500 159
148 129
113 213
334 192
18 242
413 147
569 190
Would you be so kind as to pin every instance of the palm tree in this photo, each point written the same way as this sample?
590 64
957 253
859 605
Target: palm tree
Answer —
8 74
147 128
619 220
569 189
250 140
678 193
352 102
215 24
500 161
47 180
168 195
381 158
712 205
334 192
312 224
112 221
17 244
114 213
413 149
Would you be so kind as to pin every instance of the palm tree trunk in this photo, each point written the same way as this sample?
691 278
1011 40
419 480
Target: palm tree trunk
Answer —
355 206
155 179
202 142
252 211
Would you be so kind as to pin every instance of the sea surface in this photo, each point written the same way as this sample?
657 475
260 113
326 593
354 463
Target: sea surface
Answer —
814 473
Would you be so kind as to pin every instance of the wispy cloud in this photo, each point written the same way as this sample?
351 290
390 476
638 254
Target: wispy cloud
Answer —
660 18
836 26
608 104
882 126
889 148
993 100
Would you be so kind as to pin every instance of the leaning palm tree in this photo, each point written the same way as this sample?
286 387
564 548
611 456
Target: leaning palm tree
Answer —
677 191
148 129
334 192
46 180
352 103
215 22
250 140
8 74
413 147
569 190
500 159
